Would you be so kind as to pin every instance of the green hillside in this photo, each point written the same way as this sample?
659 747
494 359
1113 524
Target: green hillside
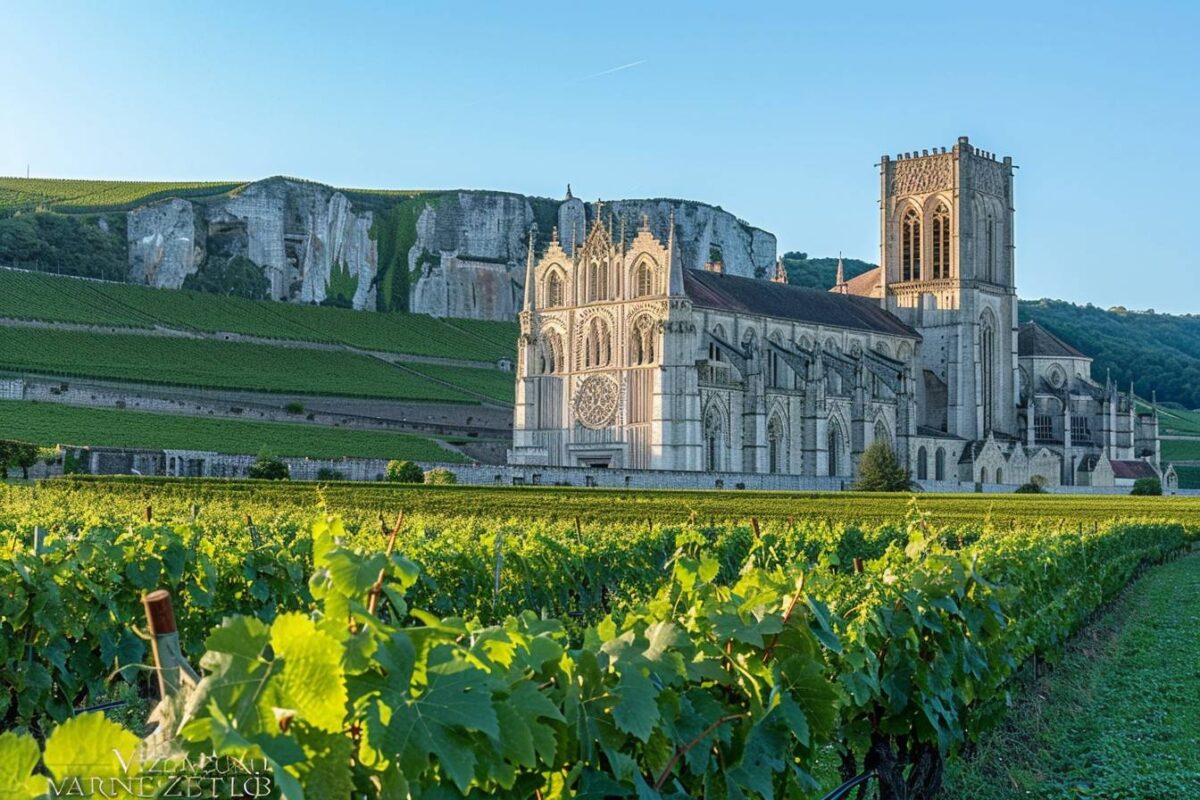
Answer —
1161 352
234 365
52 298
50 424
819 273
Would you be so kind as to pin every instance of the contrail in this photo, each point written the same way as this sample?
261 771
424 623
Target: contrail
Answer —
616 69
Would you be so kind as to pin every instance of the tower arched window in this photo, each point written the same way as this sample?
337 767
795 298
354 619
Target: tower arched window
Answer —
939 465
643 280
555 290
881 433
597 344
922 463
941 242
910 246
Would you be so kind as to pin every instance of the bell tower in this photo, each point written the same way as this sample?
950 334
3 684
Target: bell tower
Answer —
947 258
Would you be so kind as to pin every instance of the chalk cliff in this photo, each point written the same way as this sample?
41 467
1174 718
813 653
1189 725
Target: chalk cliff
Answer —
456 253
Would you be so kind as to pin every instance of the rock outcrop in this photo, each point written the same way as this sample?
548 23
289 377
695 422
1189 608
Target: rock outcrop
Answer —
307 238
463 251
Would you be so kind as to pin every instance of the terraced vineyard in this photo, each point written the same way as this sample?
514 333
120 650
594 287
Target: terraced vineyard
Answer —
52 298
69 195
50 424
215 364
488 656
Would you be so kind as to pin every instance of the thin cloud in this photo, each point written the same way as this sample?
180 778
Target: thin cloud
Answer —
630 65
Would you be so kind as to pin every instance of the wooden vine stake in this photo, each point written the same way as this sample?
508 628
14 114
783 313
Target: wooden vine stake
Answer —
377 589
174 672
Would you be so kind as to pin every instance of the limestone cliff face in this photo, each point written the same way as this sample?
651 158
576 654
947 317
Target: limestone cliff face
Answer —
162 244
307 239
455 254
470 250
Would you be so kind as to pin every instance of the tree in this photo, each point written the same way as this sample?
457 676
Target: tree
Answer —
879 470
17 454
404 472
1147 486
1036 485
269 468
440 476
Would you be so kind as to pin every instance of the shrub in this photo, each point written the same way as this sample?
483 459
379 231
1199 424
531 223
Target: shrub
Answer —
440 476
330 474
879 471
294 408
269 468
404 472
1147 486
1036 485
17 454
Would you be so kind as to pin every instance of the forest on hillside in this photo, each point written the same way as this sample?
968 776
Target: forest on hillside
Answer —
1160 353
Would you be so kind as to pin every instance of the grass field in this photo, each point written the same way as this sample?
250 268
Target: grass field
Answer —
214 364
53 298
51 424
1118 718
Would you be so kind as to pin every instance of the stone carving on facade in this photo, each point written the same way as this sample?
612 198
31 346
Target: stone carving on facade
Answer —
988 177
596 400
921 175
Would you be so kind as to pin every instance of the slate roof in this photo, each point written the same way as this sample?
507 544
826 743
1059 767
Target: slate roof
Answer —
1034 340
1132 469
749 296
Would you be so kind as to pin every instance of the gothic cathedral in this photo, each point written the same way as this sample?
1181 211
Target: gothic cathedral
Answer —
629 361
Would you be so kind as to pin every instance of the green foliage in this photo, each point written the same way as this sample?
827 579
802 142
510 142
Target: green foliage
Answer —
820 273
1036 485
268 467
1147 487
54 423
330 474
879 470
18 454
1161 352
342 286
440 476
707 680
92 247
237 277
405 472
395 233
294 407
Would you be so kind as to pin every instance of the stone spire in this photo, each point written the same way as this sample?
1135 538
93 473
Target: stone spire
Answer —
780 275
841 272
675 261
530 282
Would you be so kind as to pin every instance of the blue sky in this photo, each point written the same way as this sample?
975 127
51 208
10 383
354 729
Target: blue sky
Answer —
776 112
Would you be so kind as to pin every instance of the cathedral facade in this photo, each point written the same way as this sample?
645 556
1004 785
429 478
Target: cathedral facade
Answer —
627 360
